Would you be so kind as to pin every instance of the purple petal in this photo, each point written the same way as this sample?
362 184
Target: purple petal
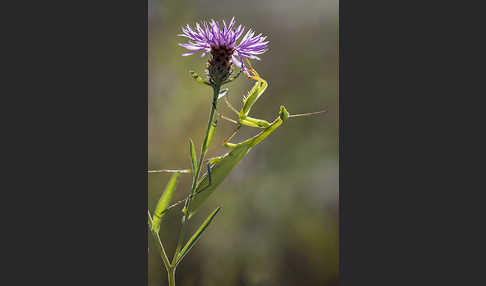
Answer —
236 61
243 68
205 35
191 53
232 23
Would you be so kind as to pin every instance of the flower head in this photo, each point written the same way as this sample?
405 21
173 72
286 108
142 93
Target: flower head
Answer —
220 42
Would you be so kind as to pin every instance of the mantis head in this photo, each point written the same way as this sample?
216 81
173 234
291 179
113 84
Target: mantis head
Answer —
284 114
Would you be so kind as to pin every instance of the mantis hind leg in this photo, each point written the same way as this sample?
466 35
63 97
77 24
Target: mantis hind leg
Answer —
226 141
226 118
231 106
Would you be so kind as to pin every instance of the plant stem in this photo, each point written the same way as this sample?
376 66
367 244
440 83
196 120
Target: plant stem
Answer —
204 149
171 274
156 236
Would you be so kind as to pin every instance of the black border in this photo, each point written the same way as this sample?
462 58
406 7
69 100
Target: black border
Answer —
78 118
78 151
405 183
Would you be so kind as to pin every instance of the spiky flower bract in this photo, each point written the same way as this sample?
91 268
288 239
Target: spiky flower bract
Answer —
220 41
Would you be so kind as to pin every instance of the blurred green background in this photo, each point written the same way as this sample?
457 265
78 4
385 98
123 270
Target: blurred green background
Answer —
279 219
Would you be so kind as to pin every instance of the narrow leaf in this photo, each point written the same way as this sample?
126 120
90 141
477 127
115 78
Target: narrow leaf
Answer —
164 202
210 137
199 79
192 151
196 236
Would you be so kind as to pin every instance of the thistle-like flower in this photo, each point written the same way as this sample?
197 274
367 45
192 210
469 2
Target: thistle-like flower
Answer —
220 42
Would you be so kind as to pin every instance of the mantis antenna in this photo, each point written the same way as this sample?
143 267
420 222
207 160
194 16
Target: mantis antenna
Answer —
307 114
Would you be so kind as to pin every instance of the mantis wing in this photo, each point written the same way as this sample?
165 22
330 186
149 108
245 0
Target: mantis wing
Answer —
218 173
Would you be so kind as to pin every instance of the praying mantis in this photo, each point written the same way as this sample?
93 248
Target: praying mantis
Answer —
220 167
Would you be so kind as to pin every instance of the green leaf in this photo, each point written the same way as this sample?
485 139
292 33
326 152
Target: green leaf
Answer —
164 202
192 150
199 79
190 243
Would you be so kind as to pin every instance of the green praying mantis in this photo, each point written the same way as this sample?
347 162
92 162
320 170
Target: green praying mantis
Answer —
219 168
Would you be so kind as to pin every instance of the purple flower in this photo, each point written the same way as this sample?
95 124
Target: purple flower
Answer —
221 40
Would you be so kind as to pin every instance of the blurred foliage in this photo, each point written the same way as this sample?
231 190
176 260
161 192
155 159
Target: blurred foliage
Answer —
279 219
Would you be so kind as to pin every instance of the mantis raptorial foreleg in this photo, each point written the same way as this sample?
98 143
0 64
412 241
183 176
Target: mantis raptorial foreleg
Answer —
252 97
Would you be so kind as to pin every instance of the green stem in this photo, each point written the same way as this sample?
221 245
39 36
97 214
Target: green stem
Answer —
171 274
204 148
156 236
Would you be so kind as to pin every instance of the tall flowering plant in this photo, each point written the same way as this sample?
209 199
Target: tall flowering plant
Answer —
220 41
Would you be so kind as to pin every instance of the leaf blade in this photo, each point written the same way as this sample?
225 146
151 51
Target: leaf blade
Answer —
192 151
164 202
195 237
